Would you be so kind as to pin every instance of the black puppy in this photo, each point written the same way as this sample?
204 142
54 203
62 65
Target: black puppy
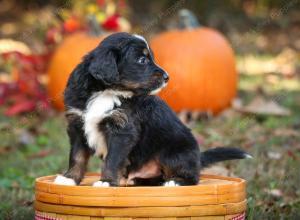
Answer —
112 112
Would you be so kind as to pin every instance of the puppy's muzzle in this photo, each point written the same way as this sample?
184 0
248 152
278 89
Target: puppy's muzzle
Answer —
162 74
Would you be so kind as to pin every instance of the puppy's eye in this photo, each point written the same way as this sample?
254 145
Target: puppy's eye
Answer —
143 60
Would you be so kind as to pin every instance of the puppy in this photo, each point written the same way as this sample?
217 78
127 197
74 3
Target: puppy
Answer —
112 112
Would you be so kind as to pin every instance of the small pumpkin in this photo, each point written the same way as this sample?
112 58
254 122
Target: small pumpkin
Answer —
201 65
65 58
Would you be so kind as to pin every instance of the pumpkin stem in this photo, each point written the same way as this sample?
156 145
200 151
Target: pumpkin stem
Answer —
95 29
187 19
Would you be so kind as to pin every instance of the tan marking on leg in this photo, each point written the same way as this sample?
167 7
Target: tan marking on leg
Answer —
80 163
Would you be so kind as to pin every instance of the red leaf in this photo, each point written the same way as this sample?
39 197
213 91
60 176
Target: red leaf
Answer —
20 107
101 3
17 98
53 36
291 154
7 90
43 105
122 4
40 154
2 101
27 86
111 23
3 89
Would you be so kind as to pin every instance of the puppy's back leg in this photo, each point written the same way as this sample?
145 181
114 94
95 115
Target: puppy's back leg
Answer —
181 168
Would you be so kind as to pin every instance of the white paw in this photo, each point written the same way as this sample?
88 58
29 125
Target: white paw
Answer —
61 180
101 184
171 183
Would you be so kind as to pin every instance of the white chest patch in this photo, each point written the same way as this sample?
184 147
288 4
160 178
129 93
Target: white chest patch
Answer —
99 106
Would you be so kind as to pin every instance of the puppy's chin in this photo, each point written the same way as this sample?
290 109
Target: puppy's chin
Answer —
156 91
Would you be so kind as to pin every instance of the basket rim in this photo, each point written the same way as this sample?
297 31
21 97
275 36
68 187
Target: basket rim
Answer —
226 186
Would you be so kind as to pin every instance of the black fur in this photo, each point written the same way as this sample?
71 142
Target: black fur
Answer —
143 128
220 154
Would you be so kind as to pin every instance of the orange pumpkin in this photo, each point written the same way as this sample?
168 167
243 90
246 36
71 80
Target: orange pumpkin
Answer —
201 66
68 54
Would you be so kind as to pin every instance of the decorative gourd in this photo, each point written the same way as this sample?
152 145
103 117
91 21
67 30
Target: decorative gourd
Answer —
201 65
68 54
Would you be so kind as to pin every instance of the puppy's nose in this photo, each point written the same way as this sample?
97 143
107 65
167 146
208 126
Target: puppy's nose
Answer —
166 77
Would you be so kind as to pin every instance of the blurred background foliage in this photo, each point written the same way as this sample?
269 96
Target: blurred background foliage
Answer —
264 119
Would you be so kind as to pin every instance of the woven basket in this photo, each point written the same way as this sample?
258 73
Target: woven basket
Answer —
216 197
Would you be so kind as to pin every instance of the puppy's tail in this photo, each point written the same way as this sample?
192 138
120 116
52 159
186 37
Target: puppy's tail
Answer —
218 154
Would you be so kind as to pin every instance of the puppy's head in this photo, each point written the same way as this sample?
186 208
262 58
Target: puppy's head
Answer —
125 62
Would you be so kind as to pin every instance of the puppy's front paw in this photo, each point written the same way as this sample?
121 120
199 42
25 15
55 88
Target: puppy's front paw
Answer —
101 184
61 180
171 183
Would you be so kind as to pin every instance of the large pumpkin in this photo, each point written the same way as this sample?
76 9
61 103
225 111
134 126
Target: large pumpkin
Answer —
65 58
201 66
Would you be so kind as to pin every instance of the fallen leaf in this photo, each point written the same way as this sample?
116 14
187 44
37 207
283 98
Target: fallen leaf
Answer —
40 154
4 150
200 138
274 192
20 107
286 132
25 137
227 114
27 203
291 154
217 170
261 106
274 155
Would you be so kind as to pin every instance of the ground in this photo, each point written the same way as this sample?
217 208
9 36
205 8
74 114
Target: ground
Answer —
36 145
264 35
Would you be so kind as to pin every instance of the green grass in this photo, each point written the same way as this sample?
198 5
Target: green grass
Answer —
20 166
24 138
262 136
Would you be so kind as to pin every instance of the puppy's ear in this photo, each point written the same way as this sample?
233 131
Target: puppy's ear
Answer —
103 65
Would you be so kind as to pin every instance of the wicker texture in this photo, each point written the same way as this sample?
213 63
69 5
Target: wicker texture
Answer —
215 197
